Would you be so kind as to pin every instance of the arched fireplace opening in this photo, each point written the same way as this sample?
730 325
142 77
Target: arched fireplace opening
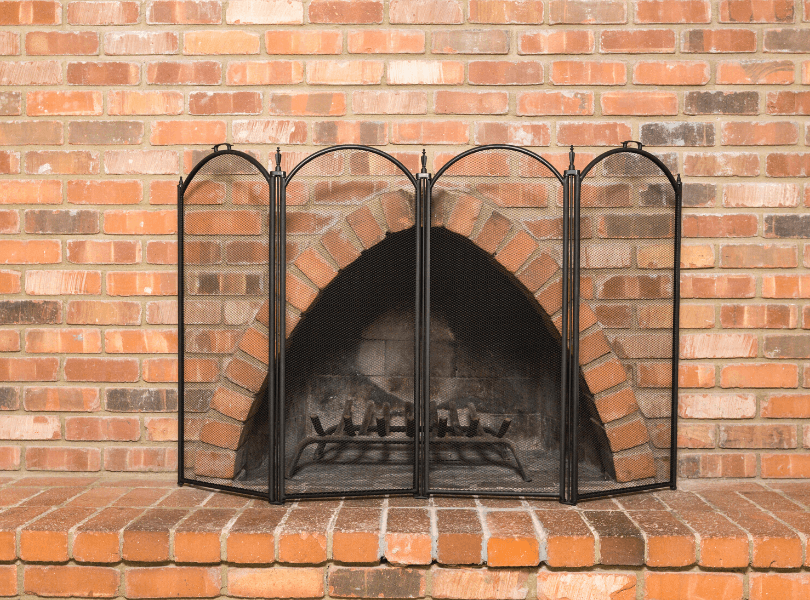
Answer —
492 347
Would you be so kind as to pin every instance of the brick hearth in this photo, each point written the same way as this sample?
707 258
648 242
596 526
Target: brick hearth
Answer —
146 538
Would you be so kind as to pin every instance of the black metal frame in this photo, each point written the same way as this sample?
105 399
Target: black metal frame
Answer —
423 182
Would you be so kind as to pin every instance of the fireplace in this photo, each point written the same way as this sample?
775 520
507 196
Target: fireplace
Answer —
498 328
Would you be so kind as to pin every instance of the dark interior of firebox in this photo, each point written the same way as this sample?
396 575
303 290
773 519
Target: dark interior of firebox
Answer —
494 365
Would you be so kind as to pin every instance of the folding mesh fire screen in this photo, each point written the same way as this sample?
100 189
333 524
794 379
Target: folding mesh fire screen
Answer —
499 328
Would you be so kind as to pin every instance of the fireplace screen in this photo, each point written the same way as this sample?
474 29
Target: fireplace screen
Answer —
356 326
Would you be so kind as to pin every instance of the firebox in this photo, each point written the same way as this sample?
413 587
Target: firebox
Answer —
352 325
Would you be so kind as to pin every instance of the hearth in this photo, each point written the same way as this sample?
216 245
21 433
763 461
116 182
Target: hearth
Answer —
498 328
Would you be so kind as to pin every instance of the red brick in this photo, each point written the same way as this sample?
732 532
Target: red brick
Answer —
420 72
770 195
757 436
187 132
639 103
61 399
474 41
145 162
785 466
520 133
772 585
756 11
71 581
263 13
97 539
25 252
303 42
306 104
103 13
680 586
504 73
753 72
671 73
9 43
762 375
429 132
479 583
140 42
673 11
63 341
721 164
506 11
250 538
557 586
467 103
570 542
101 369
302 540
140 459
588 73
9 162
177 582
785 286
742 133
583 12
43 72
201 72
270 131
99 312
369 133
133 283
346 11
593 133
279 582
555 103
46 133
62 459
184 12
103 73
788 103
63 103
696 376
362 72
104 191
718 40
643 41
717 406
31 13
392 41
556 42
512 541
220 42
779 164
46 539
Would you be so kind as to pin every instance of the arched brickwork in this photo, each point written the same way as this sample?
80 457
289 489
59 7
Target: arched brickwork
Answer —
223 429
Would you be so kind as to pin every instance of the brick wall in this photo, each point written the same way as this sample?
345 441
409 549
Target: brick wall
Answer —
105 104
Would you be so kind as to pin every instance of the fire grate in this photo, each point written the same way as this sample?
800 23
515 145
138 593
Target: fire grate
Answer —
356 327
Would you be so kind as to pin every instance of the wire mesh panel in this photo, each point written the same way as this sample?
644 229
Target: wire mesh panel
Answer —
495 308
224 326
628 282
348 421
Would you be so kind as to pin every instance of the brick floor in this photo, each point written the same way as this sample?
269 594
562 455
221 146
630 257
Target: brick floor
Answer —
144 537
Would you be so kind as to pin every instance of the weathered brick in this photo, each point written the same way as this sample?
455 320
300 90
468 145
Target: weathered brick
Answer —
471 41
588 73
184 12
718 40
582 12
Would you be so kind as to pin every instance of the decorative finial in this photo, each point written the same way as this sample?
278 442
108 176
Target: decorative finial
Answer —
278 159
571 158
424 161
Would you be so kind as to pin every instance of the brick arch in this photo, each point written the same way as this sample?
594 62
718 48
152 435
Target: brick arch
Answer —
236 399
